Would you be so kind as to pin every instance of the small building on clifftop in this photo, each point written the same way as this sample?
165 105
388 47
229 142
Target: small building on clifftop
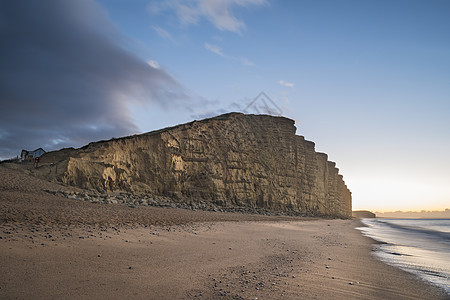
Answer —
30 155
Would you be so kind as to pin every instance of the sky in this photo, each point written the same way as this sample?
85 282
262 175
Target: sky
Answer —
367 81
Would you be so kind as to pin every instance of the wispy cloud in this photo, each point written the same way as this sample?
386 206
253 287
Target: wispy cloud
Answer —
217 12
262 104
163 33
287 84
209 112
217 50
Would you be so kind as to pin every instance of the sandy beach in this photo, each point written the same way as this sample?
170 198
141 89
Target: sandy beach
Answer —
54 247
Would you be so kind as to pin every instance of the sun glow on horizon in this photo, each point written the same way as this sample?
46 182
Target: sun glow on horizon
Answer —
392 194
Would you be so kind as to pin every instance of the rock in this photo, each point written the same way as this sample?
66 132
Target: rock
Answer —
253 162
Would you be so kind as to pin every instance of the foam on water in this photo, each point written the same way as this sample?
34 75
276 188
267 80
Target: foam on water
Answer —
419 246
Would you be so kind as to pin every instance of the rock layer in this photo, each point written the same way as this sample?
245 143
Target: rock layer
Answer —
233 160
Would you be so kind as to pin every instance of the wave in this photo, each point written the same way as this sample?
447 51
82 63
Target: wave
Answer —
419 246
417 229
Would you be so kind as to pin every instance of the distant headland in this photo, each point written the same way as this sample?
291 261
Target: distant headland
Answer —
424 214
363 214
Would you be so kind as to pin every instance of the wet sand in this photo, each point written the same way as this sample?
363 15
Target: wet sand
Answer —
53 247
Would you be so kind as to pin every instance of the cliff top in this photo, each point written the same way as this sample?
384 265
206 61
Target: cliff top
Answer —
223 117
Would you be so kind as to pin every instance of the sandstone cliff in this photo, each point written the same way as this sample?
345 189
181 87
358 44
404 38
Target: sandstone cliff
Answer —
233 160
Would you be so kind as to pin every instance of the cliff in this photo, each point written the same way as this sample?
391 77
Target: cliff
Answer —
363 214
233 160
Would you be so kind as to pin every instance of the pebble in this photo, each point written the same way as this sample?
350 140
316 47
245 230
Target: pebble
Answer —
134 201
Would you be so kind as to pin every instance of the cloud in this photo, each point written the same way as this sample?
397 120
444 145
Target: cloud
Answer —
163 33
287 84
261 104
67 79
210 112
217 50
218 12
153 64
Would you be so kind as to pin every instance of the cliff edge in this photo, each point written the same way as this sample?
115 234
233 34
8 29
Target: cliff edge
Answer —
233 160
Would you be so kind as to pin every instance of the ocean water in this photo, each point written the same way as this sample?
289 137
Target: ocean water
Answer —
419 246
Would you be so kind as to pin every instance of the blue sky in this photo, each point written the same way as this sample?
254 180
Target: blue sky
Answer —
367 81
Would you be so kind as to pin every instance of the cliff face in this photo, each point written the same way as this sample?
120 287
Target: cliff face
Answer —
363 214
231 160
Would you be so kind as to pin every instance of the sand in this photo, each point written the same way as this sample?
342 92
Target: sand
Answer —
53 247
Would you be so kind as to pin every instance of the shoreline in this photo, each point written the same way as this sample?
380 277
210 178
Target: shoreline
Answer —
53 247
421 253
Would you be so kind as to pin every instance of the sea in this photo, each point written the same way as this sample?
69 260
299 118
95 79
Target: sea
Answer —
418 246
